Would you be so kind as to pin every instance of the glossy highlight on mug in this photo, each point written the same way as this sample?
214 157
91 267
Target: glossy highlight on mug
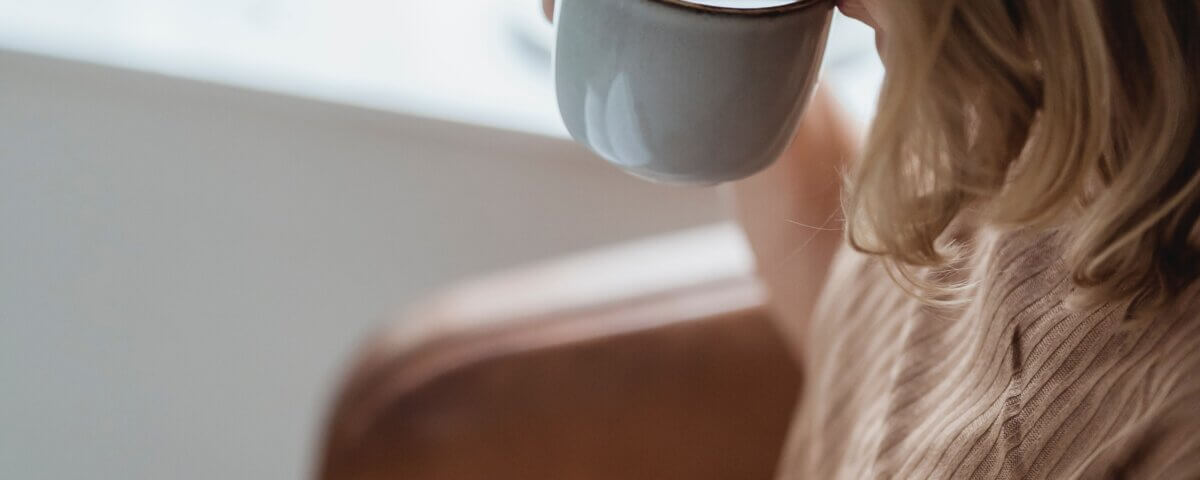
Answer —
751 6
743 4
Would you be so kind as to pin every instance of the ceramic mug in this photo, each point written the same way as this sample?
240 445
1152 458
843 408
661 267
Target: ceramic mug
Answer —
690 92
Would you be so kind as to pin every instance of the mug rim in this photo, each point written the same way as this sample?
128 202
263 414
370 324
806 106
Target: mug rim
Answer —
745 12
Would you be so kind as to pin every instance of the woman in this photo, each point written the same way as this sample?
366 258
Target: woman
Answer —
1020 299
1007 287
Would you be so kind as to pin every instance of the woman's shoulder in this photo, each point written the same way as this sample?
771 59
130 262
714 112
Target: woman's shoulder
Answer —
1159 437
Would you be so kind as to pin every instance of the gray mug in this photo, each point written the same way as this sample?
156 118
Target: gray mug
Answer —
683 92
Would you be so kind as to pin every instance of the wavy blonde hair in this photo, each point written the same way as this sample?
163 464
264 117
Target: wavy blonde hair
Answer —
1078 115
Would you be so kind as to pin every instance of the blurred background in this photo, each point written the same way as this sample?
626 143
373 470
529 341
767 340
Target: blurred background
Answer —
206 204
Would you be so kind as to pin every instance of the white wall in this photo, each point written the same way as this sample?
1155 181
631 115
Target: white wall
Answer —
184 266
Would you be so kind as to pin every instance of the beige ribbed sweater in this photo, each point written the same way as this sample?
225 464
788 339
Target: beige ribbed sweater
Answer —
1015 385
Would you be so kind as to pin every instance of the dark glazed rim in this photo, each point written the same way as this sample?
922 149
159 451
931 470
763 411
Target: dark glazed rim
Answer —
743 12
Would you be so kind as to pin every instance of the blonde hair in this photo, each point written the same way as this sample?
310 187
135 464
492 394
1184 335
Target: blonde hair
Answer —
1078 115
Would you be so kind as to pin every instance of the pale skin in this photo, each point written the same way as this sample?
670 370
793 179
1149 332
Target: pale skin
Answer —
791 212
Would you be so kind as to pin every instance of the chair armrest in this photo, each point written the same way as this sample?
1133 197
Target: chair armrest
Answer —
651 361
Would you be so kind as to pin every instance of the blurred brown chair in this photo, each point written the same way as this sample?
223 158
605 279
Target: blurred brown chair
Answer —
656 360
